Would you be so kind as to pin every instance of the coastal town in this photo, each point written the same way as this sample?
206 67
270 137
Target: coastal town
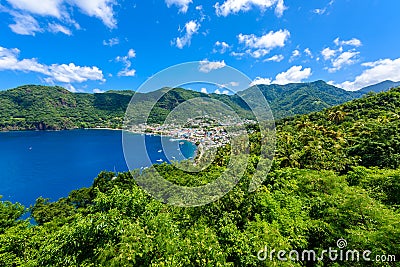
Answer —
203 131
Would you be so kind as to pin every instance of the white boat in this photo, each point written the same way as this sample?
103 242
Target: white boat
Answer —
159 151
159 160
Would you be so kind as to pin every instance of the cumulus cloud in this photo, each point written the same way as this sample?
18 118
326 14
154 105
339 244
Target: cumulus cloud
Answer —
221 47
308 52
276 58
98 91
111 42
259 80
375 72
236 6
259 46
337 57
126 60
183 5
345 58
66 73
204 90
191 28
328 53
268 41
295 54
69 73
295 74
219 92
208 66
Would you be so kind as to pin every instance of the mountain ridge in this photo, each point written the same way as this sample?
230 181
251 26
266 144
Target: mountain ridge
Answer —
36 107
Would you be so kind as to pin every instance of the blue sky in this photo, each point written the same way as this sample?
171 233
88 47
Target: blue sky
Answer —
100 45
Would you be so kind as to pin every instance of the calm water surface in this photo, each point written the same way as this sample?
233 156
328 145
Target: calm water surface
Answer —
51 164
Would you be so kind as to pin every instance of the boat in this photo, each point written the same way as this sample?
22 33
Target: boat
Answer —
159 151
159 160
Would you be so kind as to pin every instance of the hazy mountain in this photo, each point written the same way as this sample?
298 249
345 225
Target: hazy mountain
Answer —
379 87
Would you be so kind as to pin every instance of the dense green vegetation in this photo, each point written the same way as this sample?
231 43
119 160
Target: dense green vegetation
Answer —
336 174
33 107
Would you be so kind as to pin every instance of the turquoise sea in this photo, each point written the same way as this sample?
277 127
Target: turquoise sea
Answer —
52 163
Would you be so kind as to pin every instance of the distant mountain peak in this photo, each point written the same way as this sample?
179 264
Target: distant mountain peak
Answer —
379 87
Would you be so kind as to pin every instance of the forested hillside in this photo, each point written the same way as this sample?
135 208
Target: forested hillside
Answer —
33 107
335 176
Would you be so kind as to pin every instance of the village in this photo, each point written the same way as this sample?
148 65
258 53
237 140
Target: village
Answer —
202 131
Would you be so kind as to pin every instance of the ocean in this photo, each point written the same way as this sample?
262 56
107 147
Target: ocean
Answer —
50 164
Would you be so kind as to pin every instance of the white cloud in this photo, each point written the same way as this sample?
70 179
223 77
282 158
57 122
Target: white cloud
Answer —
346 58
237 54
191 28
378 71
307 51
328 53
259 80
208 66
204 90
55 72
352 42
236 6
98 91
260 46
69 87
280 8
71 73
9 61
295 54
276 58
25 25
221 47
43 7
131 53
56 28
218 92
257 53
295 74
338 58
268 41
319 11
111 42
101 9
127 71
183 5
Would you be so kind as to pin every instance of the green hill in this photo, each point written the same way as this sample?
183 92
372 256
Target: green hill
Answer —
53 108
302 98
